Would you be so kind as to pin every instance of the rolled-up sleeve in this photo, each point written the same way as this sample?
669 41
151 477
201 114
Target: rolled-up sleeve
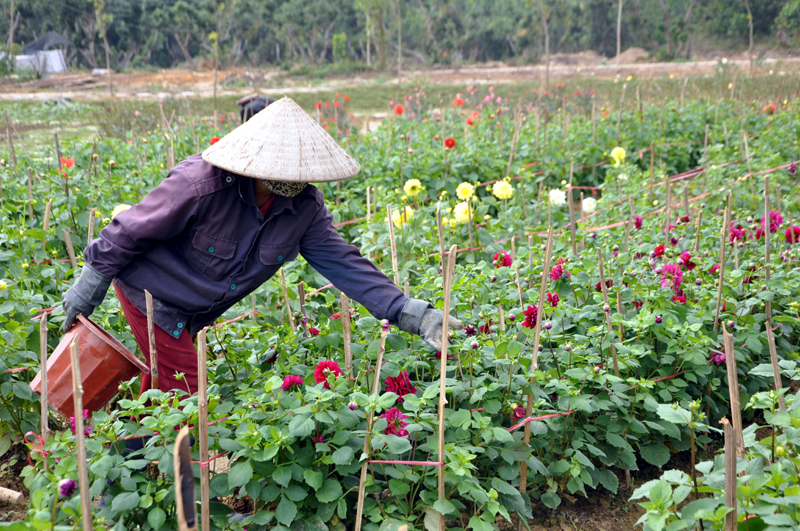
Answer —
163 214
327 252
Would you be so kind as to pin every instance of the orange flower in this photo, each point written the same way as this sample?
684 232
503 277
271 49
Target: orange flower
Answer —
770 108
67 162
398 109
458 102
214 140
318 105
347 98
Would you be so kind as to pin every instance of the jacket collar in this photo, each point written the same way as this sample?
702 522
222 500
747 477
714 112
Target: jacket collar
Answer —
247 191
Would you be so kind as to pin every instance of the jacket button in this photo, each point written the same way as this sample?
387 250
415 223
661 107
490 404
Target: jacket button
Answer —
233 286
280 258
180 325
210 249
228 179
176 333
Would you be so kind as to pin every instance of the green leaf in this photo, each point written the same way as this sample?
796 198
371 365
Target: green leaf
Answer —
295 492
156 517
240 474
609 480
617 441
343 456
656 454
301 426
399 488
551 500
330 491
459 419
313 478
125 501
282 475
444 507
286 511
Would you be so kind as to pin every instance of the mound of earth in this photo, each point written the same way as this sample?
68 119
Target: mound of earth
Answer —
631 55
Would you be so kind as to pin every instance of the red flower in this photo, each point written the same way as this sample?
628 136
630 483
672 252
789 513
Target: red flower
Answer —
519 411
325 368
214 140
458 102
638 222
450 142
347 98
222 120
400 385
769 108
335 316
501 259
638 304
558 273
714 269
470 121
659 251
793 234
313 331
486 328
398 109
67 162
679 299
775 220
336 104
685 219
318 106
395 425
318 439
737 233
687 260
531 315
552 298
609 283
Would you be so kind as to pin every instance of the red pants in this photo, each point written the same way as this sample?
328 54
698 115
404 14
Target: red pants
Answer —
174 355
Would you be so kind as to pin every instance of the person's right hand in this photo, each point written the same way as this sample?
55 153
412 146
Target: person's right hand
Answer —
84 296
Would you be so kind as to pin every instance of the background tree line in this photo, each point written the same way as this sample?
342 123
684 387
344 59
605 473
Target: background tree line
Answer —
166 33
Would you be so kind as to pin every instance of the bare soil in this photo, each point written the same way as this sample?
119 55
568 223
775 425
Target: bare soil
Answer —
11 465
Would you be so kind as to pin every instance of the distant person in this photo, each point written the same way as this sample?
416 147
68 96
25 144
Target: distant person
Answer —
222 224
252 105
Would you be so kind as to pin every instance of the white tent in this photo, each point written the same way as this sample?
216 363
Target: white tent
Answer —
43 62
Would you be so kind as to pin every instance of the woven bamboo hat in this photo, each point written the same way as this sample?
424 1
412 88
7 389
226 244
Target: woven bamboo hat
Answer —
282 143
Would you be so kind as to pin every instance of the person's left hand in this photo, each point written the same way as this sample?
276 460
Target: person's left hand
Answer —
421 318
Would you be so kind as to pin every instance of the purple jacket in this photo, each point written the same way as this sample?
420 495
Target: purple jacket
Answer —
199 244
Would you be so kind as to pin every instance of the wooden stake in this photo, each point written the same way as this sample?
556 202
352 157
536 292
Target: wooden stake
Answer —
93 163
58 152
723 236
570 202
698 231
441 235
151 336
301 295
621 107
11 496
604 290
705 148
48 209
731 523
652 171
501 313
345 317
667 212
778 197
686 200
519 286
202 421
286 300
70 249
733 391
448 277
393 243
184 482
83 477
45 428
30 196
368 438
12 155
90 233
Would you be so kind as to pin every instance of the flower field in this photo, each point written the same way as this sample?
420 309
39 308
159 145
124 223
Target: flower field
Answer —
616 269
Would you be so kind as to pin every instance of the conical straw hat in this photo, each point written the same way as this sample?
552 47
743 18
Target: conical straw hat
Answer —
282 143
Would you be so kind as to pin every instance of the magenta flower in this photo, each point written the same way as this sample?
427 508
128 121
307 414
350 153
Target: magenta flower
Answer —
557 273
318 439
325 368
400 385
502 259
638 222
395 425
717 357
519 411
87 429
775 220
67 487
531 315
552 298
671 276
291 382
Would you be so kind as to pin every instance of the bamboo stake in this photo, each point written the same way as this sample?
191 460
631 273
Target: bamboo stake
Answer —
368 438
572 211
93 162
90 232
184 482
43 394
652 170
776 371
519 286
698 230
731 523
11 496
393 243
48 209
83 477
151 337
58 152
202 421
778 197
406 288
733 391
286 301
604 290
705 148
723 235
667 213
345 317
621 107
301 295
12 155
70 249
441 234
502 315
448 277
686 200
523 470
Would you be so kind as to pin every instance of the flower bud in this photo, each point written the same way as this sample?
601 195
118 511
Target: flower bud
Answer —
658 319
353 406
474 345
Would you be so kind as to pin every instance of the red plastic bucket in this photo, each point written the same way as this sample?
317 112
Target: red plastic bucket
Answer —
104 362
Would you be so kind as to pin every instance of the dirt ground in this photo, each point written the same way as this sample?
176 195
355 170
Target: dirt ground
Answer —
242 81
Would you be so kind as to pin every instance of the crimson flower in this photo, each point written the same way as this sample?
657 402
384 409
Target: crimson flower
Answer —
679 298
557 273
718 356
687 260
519 410
449 142
502 259
486 328
659 251
87 429
398 109
325 368
313 331
291 381
395 425
609 284
793 234
470 331
638 304
552 298
738 233
531 315
318 439
214 140
638 222
714 269
400 385
335 315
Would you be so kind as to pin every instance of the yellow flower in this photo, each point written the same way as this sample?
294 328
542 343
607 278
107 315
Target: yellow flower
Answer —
119 209
655 202
502 190
3 285
399 217
106 220
618 154
462 213
465 191
97 213
452 223
671 76
25 265
629 78
444 221
487 217
412 188
730 86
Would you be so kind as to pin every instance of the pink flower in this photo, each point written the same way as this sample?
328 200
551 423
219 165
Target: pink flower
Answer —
738 234
557 273
671 276
318 439
291 381
552 298
501 259
395 425
324 369
335 315
775 220
531 315
714 269
400 385
679 298
87 429
718 357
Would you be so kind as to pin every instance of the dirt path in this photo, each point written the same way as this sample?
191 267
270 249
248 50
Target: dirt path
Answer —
184 83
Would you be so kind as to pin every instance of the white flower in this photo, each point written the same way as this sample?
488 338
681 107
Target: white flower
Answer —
558 197
589 205
724 60
622 177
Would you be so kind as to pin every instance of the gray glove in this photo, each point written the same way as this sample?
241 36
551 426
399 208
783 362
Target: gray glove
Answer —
84 296
420 318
